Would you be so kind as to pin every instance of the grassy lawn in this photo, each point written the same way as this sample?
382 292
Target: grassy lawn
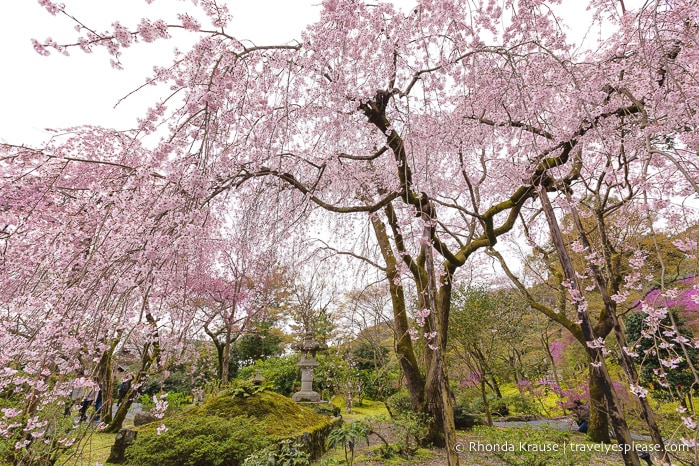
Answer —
367 409
469 442
476 446
93 449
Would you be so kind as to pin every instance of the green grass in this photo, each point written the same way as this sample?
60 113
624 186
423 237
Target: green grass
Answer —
368 408
95 447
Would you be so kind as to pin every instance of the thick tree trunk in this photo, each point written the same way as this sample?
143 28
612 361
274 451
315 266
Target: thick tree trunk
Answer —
403 344
120 415
431 395
106 376
107 379
598 426
219 352
151 354
441 400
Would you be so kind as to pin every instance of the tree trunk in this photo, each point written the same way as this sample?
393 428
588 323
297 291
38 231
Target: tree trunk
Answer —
441 399
486 403
219 352
496 386
106 377
647 413
604 285
598 425
403 344
151 354
598 367
120 415
225 359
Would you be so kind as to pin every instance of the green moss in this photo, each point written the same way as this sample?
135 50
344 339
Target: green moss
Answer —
227 428
281 416
197 441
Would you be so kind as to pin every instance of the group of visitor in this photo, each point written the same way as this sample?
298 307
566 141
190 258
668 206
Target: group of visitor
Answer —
88 392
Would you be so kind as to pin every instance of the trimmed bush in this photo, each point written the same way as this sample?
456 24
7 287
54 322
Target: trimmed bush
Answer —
227 429
465 420
326 409
198 441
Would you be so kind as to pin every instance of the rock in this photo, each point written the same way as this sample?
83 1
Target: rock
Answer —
124 438
144 418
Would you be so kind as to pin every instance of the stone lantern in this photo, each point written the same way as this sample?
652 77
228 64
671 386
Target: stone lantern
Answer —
308 348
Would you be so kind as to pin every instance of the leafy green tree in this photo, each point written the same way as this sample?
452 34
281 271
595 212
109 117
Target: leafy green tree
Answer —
483 324
262 343
279 373
664 367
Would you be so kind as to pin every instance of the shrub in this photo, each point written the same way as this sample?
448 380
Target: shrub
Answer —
177 401
518 436
146 402
326 409
463 419
521 404
514 404
399 403
411 431
244 388
498 406
198 441
279 373
287 453
348 436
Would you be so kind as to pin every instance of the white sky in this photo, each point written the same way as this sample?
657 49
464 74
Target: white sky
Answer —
57 92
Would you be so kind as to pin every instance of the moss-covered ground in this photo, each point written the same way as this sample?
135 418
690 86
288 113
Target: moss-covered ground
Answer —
280 415
284 417
93 449
375 413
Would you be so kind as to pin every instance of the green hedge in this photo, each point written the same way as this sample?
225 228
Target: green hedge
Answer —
198 441
229 428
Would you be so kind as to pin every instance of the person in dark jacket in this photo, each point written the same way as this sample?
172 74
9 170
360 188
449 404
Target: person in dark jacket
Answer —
124 388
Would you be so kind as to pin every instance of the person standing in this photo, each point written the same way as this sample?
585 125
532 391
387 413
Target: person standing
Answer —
90 392
77 392
124 387
98 399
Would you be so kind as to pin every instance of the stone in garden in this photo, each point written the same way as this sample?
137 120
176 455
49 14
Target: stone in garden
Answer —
308 348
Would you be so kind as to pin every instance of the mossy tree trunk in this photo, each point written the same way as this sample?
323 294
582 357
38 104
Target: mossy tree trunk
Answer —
486 403
106 376
608 278
150 356
598 428
403 343
598 425
598 366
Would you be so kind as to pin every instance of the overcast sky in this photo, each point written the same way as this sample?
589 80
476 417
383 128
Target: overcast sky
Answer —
56 92
39 92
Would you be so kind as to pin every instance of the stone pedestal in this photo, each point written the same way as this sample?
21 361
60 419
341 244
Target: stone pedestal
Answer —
306 393
307 363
